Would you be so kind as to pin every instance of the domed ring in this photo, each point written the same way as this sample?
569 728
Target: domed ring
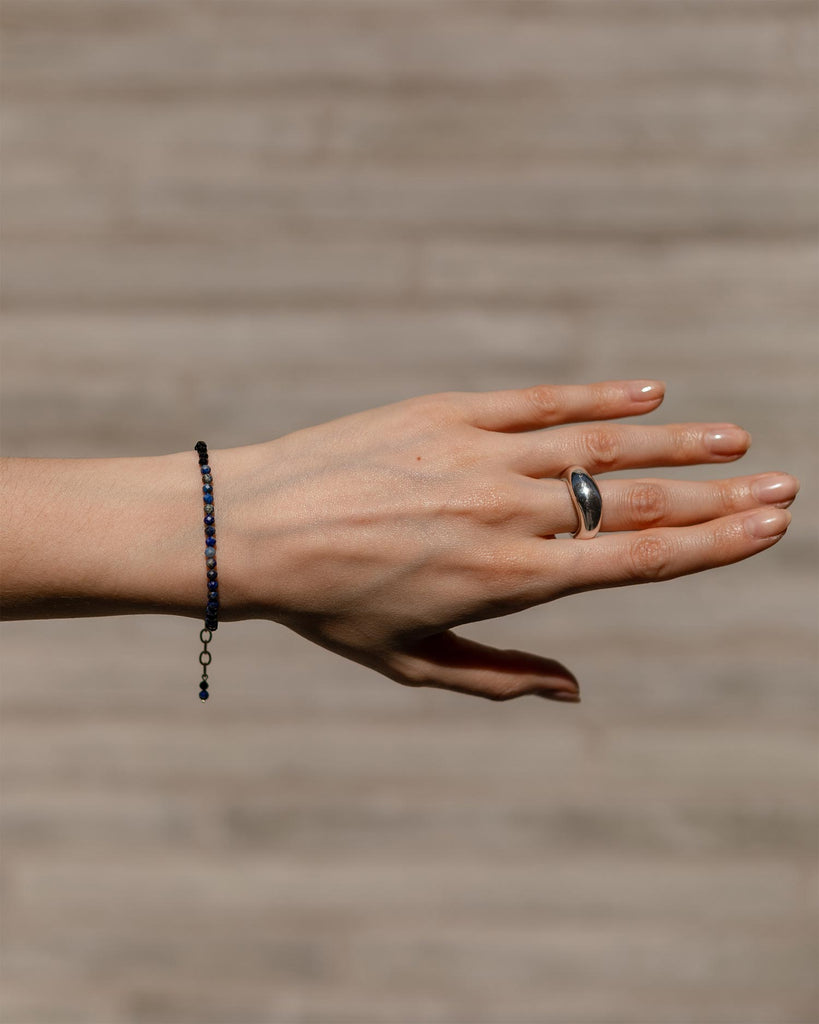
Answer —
587 501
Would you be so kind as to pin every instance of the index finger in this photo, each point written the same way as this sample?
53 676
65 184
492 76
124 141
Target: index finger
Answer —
546 405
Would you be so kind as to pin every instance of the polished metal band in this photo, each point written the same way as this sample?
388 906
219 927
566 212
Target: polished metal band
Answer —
587 501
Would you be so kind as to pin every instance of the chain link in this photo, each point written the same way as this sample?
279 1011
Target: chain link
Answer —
205 657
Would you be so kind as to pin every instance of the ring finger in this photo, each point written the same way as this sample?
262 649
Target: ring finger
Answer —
640 504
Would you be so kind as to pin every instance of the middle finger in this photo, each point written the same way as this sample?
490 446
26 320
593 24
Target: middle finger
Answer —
604 447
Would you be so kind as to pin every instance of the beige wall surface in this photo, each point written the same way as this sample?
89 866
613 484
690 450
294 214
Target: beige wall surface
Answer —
232 218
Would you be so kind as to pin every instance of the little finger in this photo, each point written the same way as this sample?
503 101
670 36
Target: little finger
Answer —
566 566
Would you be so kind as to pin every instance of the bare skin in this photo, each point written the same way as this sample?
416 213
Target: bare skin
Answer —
377 534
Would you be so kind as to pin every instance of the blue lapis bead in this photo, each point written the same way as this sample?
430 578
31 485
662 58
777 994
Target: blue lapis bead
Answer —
210 530
210 563
207 488
203 695
211 574
210 552
205 468
212 606
213 584
209 520
207 497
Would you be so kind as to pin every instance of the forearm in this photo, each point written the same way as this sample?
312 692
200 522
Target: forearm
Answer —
87 537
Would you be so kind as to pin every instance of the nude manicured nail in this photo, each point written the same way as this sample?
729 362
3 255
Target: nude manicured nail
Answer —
768 523
646 390
727 440
775 487
567 696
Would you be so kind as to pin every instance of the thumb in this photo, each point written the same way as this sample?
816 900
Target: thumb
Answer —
452 662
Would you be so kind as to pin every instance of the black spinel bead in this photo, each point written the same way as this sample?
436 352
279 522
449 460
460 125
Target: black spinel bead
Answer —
210 530
211 574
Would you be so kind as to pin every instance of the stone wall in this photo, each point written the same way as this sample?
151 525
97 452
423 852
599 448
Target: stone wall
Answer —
232 218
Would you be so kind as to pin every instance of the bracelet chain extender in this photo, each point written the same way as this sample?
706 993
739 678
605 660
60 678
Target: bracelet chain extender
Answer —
212 605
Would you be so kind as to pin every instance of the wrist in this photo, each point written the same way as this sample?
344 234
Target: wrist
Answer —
173 575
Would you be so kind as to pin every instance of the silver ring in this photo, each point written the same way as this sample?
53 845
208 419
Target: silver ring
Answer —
587 501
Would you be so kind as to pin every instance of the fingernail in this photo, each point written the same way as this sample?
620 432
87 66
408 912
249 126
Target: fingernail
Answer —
646 390
727 440
775 487
768 523
566 696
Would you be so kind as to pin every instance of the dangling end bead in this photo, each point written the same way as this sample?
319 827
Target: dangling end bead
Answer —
203 695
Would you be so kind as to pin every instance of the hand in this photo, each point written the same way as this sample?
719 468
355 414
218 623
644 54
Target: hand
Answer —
375 534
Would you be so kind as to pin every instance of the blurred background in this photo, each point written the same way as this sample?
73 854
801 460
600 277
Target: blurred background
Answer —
232 218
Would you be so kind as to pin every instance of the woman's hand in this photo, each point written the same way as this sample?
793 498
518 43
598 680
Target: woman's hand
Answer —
375 534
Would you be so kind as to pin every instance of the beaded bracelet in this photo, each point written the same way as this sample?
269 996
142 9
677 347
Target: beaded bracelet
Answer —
212 606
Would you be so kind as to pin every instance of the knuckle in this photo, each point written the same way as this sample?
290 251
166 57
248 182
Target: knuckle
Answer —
466 456
686 443
410 671
484 575
545 401
494 581
724 536
607 398
440 407
652 557
730 497
649 504
603 446
495 505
